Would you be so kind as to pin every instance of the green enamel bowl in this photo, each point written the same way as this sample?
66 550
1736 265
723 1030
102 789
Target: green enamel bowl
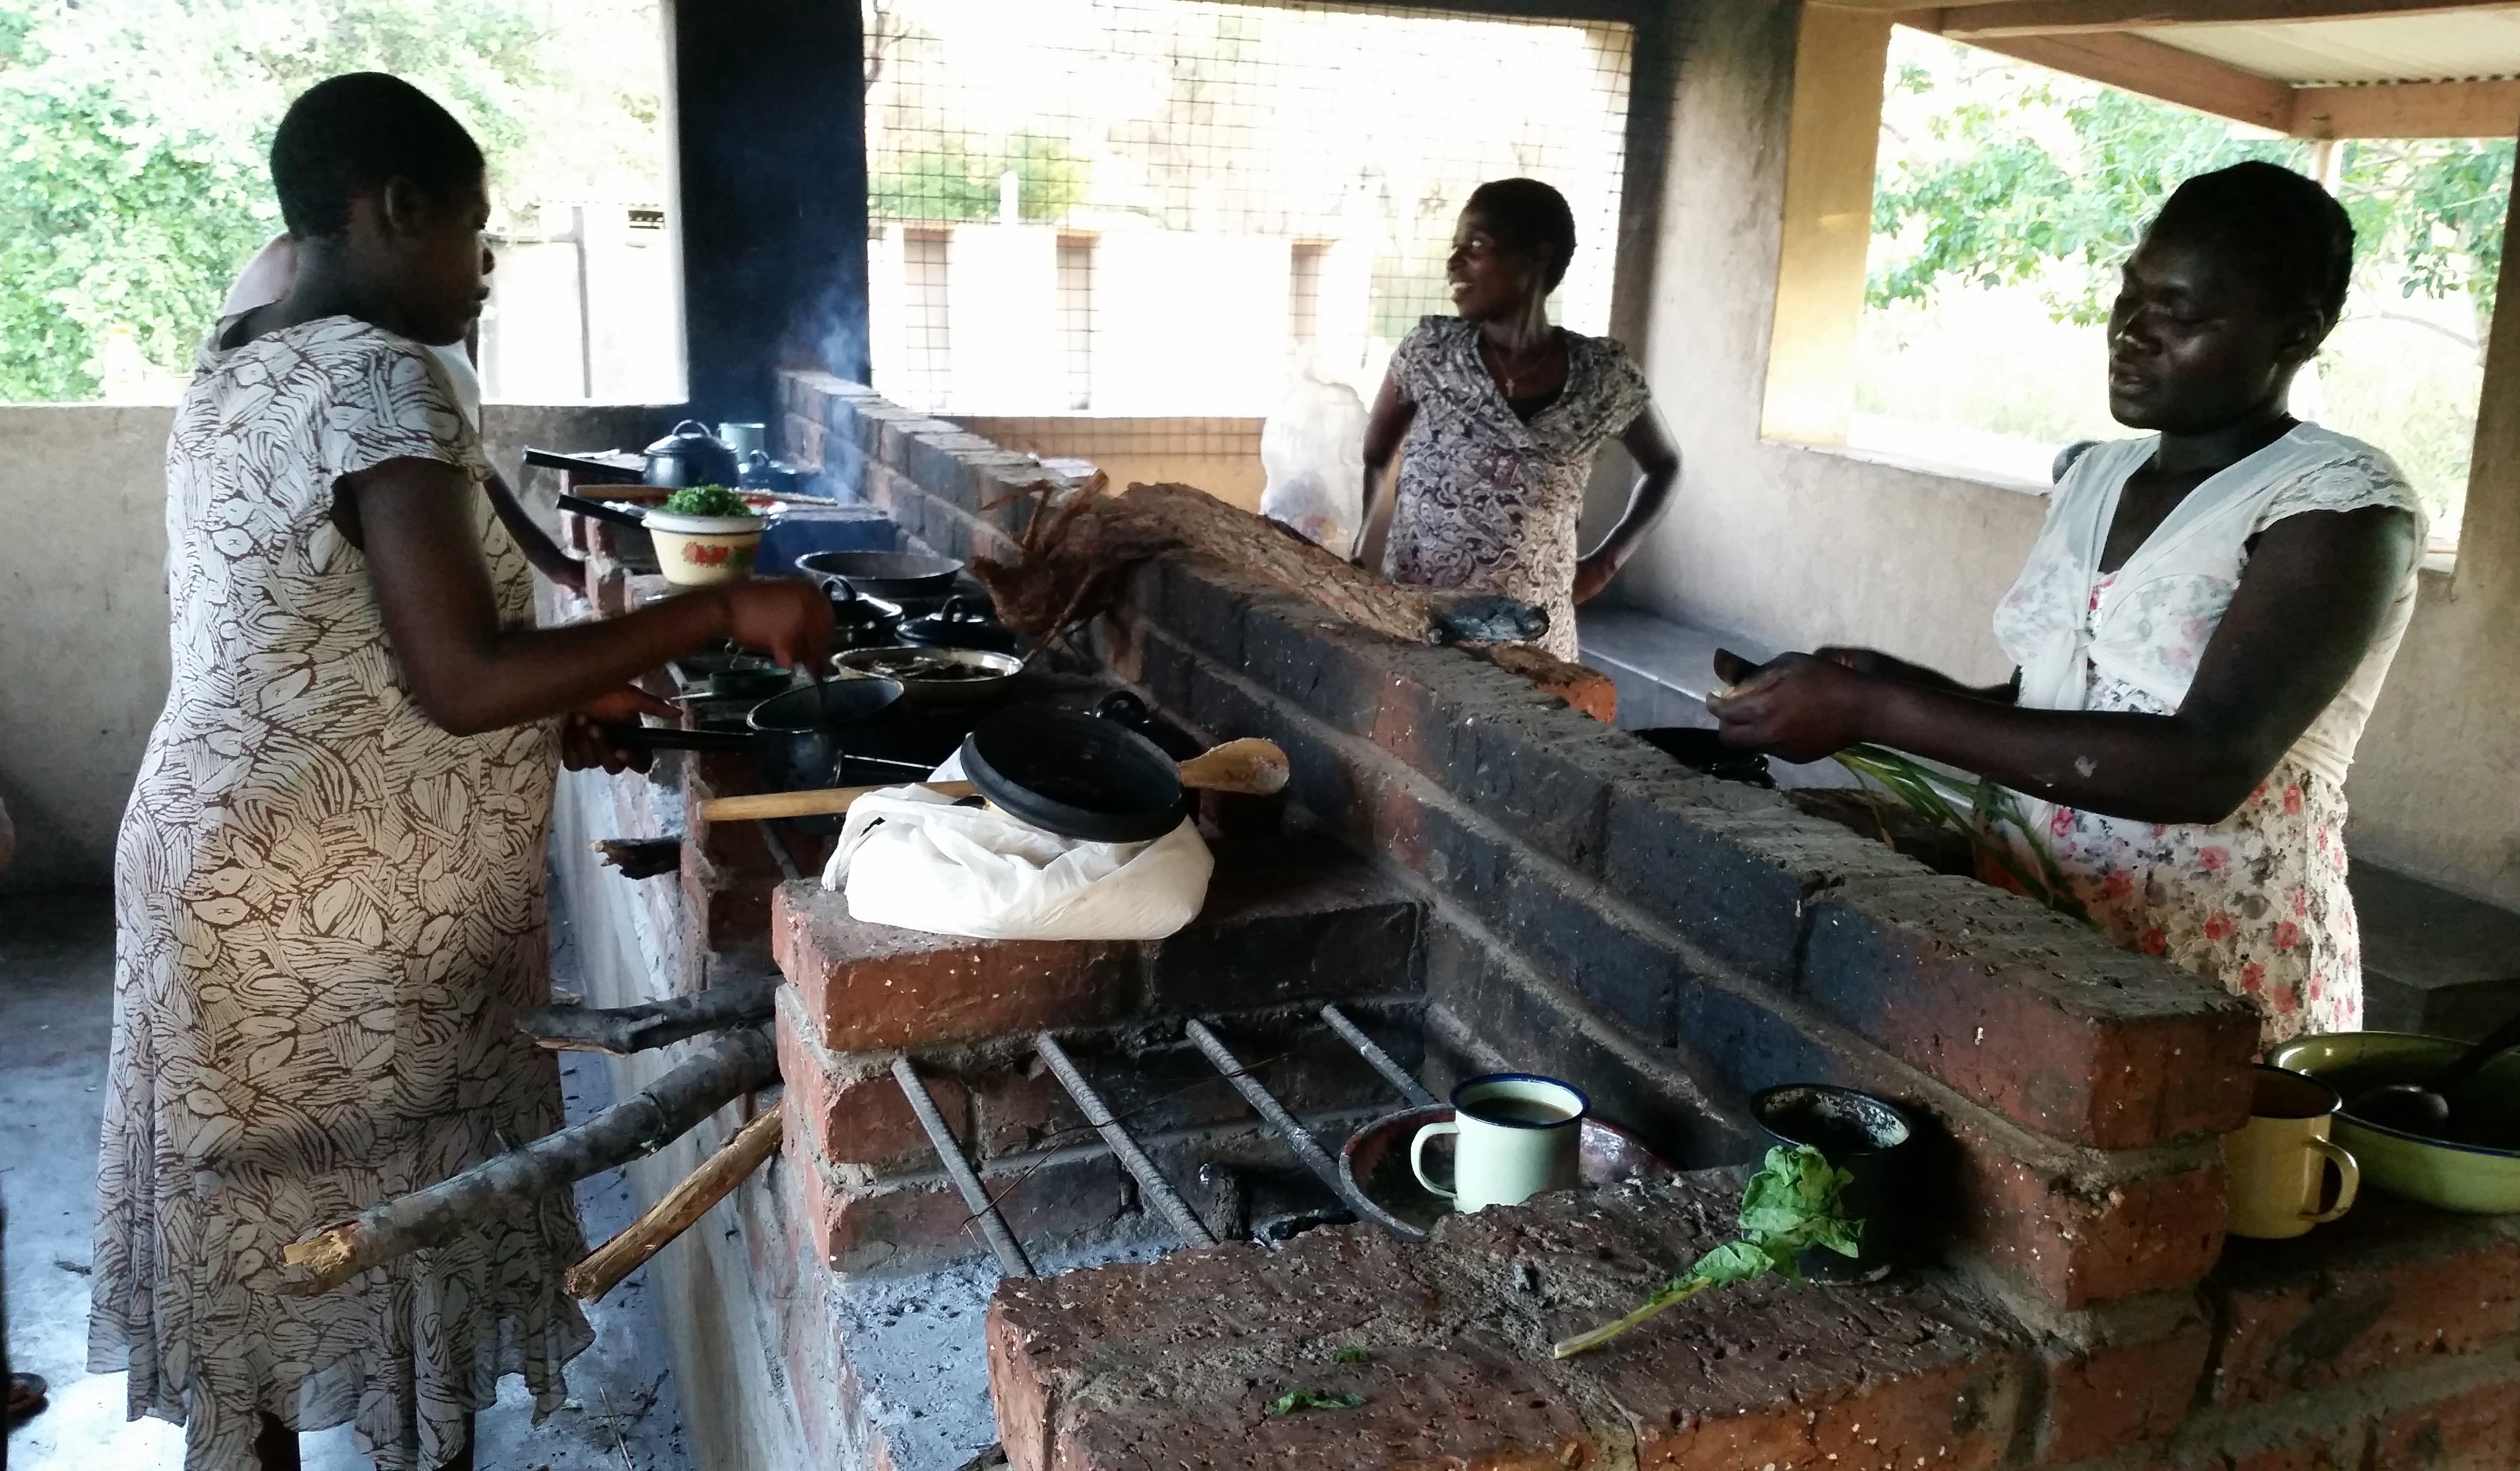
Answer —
2452 1176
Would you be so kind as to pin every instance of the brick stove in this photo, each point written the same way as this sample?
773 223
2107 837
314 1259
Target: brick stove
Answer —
1486 878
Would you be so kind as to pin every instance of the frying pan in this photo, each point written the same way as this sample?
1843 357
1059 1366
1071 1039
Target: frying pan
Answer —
797 739
1077 775
885 575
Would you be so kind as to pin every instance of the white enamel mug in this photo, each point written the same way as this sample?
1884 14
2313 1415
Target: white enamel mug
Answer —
1519 1134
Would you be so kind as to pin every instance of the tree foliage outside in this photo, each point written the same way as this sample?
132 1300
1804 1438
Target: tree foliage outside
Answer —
2027 171
2007 197
942 177
134 138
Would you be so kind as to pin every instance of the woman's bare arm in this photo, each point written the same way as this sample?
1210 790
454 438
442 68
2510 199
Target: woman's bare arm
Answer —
414 520
1648 442
1385 427
544 553
2316 590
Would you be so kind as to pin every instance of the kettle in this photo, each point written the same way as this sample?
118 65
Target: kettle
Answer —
690 456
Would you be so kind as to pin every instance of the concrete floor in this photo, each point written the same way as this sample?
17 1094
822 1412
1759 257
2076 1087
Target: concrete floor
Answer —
56 1015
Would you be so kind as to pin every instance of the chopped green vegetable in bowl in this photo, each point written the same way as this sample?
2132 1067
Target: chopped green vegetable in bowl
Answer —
706 500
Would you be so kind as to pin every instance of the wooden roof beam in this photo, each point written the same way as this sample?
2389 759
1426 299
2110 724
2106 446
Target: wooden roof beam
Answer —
2036 18
2140 64
2407 110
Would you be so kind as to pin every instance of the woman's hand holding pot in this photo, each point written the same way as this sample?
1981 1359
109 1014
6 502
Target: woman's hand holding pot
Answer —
1797 706
787 615
582 742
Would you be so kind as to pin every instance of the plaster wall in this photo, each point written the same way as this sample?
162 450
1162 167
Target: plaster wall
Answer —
2432 783
83 610
1788 546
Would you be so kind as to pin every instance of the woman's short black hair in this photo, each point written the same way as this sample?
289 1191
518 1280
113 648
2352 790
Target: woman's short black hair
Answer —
2284 228
1527 214
351 133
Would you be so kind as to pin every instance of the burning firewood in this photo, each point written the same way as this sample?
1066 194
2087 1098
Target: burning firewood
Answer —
735 1065
624 1030
669 1217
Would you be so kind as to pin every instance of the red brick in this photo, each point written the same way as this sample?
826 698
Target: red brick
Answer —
1050 1338
2475 1431
873 986
853 1111
2107 1398
1423 1407
2080 1246
2030 1013
861 1224
1958 1416
2391 1286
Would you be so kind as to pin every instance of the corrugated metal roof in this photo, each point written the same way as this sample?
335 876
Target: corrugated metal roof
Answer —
2442 46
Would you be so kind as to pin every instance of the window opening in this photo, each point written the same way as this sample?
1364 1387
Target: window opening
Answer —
2008 196
1151 208
143 185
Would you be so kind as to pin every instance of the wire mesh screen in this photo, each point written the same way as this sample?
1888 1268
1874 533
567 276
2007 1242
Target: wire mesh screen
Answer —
1153 208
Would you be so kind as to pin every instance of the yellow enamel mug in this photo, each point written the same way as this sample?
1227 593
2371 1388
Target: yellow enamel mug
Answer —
2275 1167
1519 1134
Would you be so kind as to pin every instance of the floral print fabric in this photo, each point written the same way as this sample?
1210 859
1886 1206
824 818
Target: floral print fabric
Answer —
329 922
1487 503
2256 903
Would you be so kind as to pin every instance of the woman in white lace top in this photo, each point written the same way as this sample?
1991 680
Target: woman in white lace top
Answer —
2200 629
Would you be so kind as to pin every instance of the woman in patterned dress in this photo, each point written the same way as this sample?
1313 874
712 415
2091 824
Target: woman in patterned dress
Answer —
2201 628
329 881
1497 416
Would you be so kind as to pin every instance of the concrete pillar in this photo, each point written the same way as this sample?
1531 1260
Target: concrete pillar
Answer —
770 125
1829 148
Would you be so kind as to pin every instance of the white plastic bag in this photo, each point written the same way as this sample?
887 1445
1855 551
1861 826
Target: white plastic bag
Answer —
910 856
1313 448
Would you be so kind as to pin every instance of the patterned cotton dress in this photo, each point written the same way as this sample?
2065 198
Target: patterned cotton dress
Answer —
328 921
2258 901
1487 503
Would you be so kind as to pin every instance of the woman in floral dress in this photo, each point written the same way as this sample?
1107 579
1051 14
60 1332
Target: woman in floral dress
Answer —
2201 630
1497 416
329 881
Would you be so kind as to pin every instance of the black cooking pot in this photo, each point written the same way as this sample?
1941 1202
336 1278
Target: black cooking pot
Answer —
797 741
759 471
960 625
1077 775
690 456
859 620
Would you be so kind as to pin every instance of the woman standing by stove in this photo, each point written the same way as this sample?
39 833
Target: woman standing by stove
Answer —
1497 416
329 882
2201 630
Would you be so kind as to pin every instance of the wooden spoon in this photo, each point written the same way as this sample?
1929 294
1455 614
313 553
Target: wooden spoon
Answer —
1250 767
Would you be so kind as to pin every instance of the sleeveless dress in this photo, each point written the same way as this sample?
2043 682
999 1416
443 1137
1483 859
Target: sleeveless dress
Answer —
2258 901
329 920
1487 503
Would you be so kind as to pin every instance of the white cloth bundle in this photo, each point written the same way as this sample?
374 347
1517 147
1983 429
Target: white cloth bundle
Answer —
911 856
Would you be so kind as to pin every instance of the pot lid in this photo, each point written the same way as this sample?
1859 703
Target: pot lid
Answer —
691 439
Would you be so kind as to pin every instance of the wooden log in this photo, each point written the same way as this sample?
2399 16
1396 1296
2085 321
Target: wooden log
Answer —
640 857
1258 545
624 1030
735 1065
607 1265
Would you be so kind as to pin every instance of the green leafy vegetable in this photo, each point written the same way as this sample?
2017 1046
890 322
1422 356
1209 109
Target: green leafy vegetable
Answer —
1790 1206
1981 816
1350 1355
1308 1399
706 500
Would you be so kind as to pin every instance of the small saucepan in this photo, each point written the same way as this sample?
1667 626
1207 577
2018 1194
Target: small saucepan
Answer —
796 740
